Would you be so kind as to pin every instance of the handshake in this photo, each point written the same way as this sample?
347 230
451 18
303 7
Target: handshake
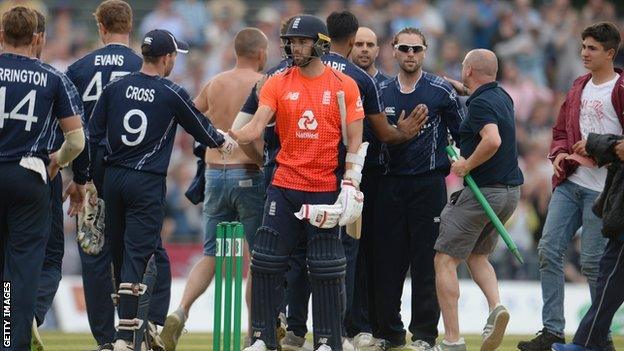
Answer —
346 210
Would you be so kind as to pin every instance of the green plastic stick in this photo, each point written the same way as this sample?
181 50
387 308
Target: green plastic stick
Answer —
227 301
216 341
500 228
239 236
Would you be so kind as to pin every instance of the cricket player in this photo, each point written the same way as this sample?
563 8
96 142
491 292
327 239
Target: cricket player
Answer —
414 193
303 102
362 319
137 116
342 27
365 51
489 152
34 95
236 190
90 74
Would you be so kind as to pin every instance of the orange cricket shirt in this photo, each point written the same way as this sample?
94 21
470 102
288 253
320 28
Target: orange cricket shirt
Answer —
307 122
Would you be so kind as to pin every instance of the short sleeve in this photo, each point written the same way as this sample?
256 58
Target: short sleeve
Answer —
355 110
251 104
268 94
372 97
480 114
68 101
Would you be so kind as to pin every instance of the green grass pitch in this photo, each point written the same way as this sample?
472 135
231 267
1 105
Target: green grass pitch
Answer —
57 341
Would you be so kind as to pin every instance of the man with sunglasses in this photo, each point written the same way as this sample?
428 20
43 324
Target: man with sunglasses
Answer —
414 188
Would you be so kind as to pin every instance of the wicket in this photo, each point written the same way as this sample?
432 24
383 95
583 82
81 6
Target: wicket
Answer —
229 244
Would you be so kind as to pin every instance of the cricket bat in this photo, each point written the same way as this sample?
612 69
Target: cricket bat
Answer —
354 229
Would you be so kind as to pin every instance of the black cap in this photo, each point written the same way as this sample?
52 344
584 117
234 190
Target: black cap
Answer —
160 42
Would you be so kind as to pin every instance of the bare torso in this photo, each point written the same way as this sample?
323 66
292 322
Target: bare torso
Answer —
221 100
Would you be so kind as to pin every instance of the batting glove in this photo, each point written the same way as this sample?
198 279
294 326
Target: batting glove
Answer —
321 216
351 200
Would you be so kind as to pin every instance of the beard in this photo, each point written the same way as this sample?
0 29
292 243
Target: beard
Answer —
410 67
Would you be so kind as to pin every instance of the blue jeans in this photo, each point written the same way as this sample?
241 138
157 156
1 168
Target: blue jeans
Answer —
569 209
232 195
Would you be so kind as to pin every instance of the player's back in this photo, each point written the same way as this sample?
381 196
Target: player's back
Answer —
226 93
140 119
32 95
91 73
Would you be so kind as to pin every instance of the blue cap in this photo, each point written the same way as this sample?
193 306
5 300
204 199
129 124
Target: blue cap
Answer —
160 42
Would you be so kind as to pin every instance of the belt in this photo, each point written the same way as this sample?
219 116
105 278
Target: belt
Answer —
499 185
247 166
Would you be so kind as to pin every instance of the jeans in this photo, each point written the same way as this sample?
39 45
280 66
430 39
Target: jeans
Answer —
232 195
569 209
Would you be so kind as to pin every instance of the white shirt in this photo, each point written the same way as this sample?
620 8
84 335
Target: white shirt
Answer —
597 116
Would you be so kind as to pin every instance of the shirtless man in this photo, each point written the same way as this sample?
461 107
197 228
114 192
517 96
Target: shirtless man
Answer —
235 185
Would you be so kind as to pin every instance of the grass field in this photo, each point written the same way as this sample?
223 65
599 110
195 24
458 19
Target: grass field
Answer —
56 341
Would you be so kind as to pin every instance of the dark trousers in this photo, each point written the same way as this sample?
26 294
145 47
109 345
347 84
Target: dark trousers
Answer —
281 236
360 315
135 210
24 228
593 330
55 248
97 273
406 228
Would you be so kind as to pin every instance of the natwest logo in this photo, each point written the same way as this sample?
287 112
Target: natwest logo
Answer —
307 123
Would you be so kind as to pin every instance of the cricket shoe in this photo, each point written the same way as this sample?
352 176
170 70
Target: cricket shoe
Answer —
418 345
292 342
123 345
347 345
542 342
494 329
363 340
568 347
153 338
258 345
35 341
448 346
323 347
105 347
174 325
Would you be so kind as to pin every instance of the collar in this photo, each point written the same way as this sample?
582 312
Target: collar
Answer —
400 86
481 89
16 56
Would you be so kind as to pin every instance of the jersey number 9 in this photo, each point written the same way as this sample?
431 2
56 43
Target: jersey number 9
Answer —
140 130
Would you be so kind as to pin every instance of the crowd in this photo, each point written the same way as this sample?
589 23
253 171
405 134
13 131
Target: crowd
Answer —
538 43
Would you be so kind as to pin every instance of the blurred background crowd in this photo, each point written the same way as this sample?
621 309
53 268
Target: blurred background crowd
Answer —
538 43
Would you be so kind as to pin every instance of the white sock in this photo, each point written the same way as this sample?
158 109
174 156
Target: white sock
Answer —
458 342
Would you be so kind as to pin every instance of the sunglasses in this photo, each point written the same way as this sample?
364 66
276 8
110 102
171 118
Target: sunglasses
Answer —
406 48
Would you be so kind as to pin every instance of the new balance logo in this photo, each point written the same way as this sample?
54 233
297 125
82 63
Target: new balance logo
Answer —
293 96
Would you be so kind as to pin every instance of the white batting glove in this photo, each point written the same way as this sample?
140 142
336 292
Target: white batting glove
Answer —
351 200
228 146
321 216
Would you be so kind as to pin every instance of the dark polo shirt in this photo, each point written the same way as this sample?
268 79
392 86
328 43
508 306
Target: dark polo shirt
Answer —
491 104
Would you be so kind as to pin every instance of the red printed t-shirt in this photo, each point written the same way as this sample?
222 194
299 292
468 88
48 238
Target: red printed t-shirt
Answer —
307 122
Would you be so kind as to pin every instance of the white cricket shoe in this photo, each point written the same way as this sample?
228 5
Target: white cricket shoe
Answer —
363 340
123 345
347 345
325 347
259 345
